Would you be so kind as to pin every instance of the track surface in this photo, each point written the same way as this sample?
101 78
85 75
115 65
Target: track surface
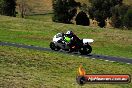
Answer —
93 56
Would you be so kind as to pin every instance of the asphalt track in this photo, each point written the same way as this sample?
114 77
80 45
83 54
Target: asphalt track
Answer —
92 56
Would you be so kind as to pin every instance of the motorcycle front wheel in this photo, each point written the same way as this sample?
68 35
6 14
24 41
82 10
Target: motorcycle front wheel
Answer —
54 47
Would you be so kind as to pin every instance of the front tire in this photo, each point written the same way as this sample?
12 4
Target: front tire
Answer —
86 49
54 47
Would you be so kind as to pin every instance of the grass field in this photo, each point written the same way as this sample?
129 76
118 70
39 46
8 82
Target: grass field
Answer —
42 17
22 68
30 31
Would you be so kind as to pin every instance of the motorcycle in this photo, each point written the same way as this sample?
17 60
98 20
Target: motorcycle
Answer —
82 46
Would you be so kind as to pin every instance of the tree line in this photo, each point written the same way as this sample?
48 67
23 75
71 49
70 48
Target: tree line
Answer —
64 11
7 7
119 13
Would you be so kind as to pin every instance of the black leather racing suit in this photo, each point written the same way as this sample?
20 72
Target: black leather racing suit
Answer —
75 41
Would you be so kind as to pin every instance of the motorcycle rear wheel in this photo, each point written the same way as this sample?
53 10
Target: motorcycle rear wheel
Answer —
86 49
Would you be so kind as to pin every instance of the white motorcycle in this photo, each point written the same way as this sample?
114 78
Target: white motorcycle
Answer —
83 46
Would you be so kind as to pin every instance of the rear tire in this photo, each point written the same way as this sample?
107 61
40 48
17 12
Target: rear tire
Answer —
53 47
86 49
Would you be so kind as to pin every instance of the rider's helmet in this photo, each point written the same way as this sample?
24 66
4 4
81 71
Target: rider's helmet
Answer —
69 33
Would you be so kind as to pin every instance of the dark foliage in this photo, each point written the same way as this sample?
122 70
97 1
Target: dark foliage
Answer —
1 6
116 21
101 23
127 20
64 10
119 15
101 10
82 19
8 7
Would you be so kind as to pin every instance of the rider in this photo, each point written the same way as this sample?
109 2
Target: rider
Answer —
72 39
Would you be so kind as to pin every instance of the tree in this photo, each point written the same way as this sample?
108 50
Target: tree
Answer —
116 21
1 6
127 20
101 10
118 14
64 10
8 7
23 7
84 8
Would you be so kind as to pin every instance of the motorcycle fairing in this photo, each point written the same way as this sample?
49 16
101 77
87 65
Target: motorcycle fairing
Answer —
88 41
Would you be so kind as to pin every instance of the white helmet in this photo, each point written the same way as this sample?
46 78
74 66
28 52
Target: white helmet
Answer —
69 32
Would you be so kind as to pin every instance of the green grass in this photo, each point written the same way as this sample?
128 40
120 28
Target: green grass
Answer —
41 17
22 68
114 42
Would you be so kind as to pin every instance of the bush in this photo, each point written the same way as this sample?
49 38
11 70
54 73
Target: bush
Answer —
82 19
102 23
